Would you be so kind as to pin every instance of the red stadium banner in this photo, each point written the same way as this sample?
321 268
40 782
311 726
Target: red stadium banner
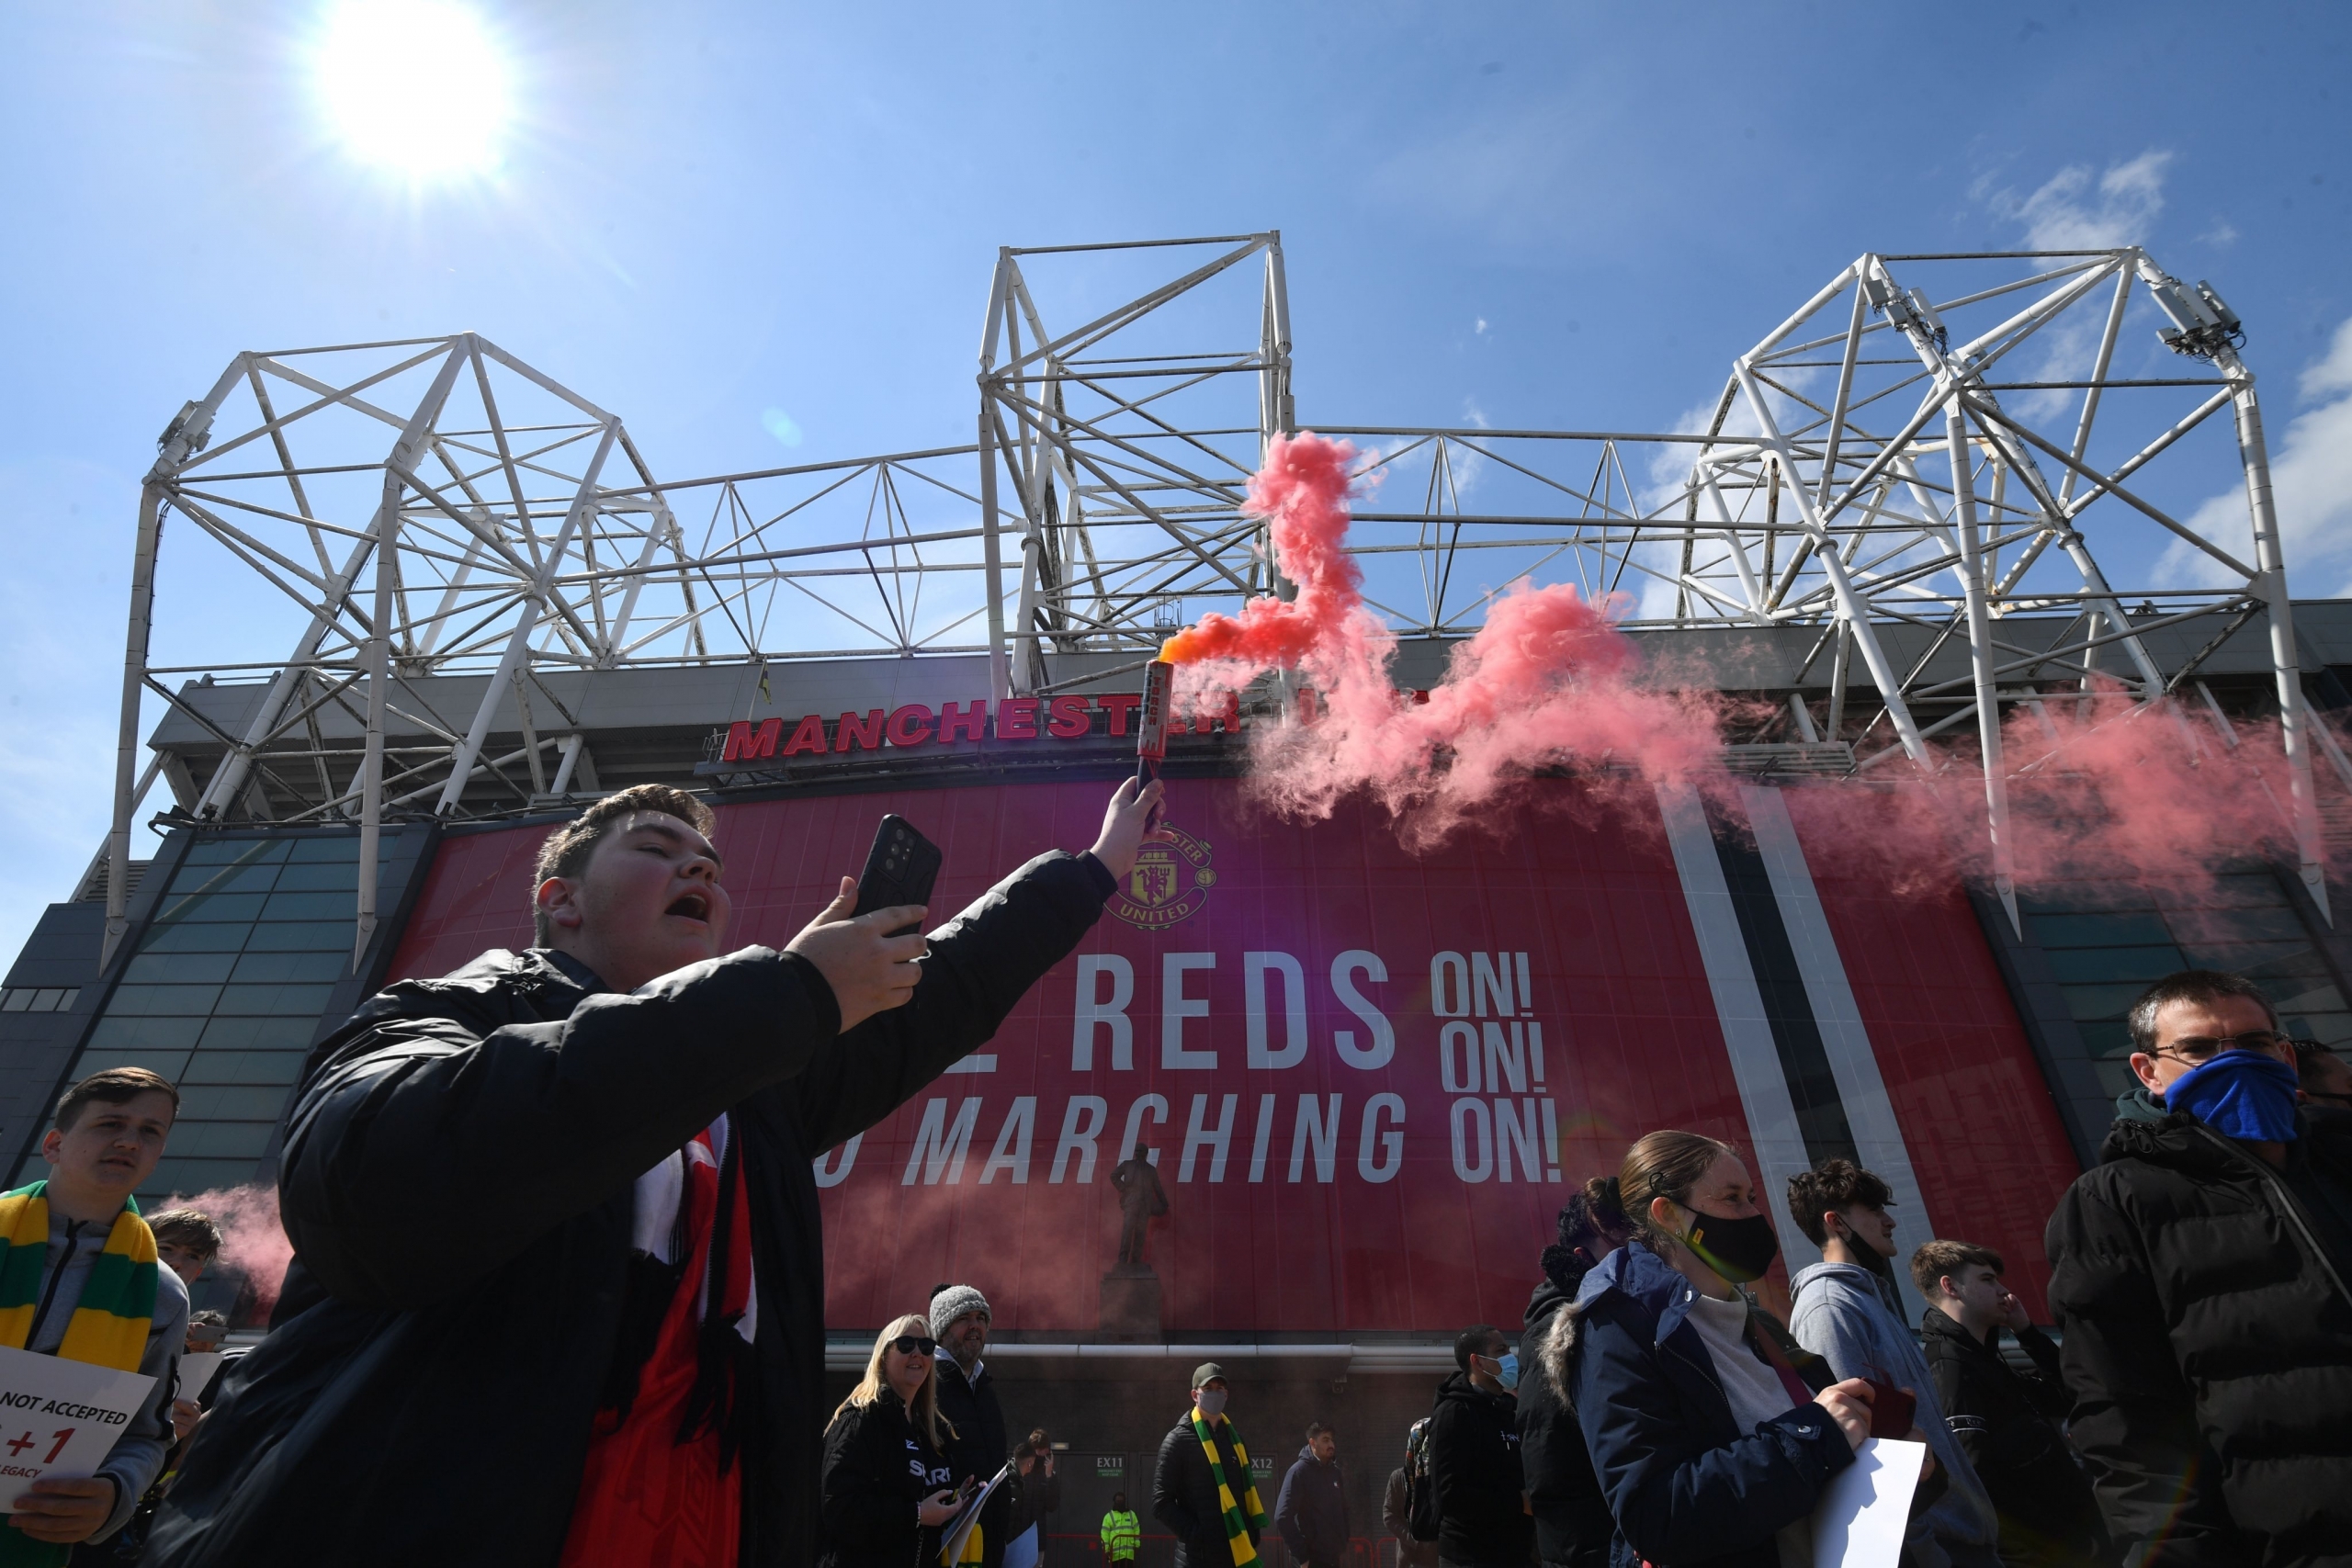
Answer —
1370 1079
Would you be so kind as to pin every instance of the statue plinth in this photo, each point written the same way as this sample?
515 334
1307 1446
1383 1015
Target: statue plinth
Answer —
1130 1304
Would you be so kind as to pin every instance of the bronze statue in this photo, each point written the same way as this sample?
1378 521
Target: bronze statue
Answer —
1141 1199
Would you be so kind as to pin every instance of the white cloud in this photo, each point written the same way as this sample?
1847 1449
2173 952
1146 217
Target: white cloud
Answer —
2311 484
2073 210
1481 327
2333 373
2222 233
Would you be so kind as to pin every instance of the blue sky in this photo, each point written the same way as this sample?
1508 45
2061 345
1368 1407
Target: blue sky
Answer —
743 225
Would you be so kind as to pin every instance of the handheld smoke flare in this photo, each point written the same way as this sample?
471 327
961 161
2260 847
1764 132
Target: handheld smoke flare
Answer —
1151 727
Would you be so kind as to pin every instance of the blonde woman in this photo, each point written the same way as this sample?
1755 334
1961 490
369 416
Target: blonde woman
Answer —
885 1488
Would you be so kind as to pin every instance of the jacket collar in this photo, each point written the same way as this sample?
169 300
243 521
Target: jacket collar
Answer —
1645 1279
568 968
1937 1325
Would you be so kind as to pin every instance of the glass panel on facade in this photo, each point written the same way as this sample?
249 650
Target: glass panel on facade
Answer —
225 991
2105 942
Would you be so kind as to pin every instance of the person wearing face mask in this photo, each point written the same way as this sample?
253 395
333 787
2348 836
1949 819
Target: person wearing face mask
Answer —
1712 1440
1483 1520
1572 1529
2199 1277
1847 1312
1201 1487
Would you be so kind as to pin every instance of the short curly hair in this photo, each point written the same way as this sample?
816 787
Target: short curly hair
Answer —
567 848
1833 1185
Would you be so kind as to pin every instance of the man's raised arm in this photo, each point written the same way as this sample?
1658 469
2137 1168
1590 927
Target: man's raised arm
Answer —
979 966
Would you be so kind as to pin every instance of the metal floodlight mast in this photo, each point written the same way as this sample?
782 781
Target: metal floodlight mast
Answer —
1930 470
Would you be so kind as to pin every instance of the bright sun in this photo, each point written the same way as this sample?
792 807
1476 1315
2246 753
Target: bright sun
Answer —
419 87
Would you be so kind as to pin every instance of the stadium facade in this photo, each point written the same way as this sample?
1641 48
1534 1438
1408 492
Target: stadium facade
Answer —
1367 1077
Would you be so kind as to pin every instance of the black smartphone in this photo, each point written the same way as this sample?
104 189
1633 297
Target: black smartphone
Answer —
899 869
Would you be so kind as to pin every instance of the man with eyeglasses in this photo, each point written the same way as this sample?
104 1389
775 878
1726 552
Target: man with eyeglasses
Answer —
2199 1274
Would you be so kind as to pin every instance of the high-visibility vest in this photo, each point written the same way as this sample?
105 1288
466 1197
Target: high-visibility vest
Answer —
1120 1535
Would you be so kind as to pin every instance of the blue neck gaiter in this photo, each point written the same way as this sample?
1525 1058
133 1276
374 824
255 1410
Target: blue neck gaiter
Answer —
2240 1094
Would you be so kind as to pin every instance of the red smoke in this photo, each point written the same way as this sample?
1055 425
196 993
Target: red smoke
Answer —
252 1241
1548 681
1302 491
2100 788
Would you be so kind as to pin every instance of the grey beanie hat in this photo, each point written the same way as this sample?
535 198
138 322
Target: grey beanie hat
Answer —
954 1303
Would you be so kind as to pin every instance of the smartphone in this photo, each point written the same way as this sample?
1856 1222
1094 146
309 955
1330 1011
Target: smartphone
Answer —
1891 1410
899 869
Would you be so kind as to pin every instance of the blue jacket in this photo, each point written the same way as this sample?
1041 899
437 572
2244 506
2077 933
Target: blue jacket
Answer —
1842 1315
1685 1484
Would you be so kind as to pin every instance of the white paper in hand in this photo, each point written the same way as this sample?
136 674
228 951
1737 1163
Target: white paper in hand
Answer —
197 1369
958 1530
58 1418
1866 1510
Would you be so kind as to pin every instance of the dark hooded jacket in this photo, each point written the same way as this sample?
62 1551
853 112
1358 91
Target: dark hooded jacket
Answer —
2208 1340
1311 1511
457 1182
879 1468
1474 1467
976 1448
2006 1422
1685 1484
1572 1529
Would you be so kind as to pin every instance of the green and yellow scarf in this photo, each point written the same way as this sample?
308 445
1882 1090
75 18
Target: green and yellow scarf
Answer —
109 1325
1241 1517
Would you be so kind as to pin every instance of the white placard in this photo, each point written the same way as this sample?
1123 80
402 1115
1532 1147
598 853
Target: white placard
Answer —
1865 1511
958 1530
197 1369
59 1418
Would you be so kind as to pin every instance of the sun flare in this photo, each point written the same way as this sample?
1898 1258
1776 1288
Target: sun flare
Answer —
417 87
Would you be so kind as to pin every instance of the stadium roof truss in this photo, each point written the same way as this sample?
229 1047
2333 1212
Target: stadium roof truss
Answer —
1930 443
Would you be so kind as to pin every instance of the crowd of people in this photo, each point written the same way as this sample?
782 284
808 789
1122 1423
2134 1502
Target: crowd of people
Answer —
558 1292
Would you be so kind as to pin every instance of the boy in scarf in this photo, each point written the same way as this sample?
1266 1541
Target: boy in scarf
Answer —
78 1279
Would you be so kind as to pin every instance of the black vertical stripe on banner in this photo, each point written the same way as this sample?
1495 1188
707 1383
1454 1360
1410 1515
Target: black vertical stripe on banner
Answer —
1796 1034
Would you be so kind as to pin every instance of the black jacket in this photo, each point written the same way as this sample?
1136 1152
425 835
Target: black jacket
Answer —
1034 1495
2208 1343
1473 1465
457 1182
1184 1493
977 1448
1311 1513
2005 1423
1572 1529
878 1467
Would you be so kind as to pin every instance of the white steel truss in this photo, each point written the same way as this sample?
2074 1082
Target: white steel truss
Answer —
1931 447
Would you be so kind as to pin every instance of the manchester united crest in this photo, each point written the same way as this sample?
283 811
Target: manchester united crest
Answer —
1169 883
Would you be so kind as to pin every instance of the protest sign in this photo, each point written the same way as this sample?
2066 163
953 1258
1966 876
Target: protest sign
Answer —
1866 1508
59 1418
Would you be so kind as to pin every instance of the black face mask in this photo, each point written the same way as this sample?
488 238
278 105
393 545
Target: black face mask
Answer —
1740 1250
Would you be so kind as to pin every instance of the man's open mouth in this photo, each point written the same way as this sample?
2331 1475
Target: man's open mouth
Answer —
693 905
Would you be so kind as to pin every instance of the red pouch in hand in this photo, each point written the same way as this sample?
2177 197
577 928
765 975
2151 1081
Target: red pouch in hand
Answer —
1891 1410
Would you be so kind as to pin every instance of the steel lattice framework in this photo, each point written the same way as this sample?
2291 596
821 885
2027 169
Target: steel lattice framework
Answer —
1931 444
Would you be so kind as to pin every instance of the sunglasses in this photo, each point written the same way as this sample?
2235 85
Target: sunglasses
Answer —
909 1345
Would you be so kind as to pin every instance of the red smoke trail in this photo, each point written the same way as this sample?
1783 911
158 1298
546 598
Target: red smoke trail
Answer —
1547 681
252 1241
2101 787
1302 491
